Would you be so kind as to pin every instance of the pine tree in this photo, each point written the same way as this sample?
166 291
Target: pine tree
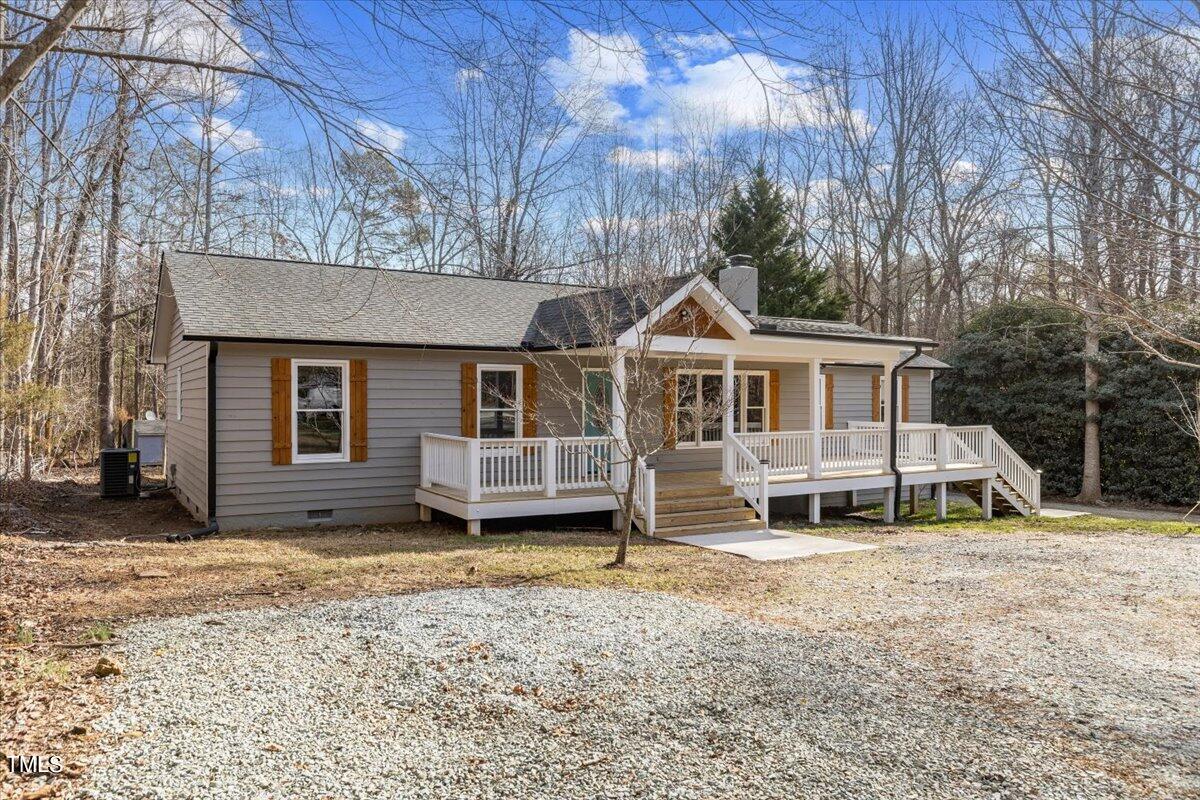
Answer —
757 223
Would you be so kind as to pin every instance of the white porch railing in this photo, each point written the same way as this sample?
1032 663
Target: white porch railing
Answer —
786 452
1024 479
749 475
444 461
964 445
543 466
644 490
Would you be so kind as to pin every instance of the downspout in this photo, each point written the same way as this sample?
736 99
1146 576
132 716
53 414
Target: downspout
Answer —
893 428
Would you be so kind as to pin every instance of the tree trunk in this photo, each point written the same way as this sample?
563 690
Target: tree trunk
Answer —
108 274
1089 491
626 522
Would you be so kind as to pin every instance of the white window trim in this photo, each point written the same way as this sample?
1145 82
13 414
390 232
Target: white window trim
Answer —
739 424
519 384
178 393
321 458
584 395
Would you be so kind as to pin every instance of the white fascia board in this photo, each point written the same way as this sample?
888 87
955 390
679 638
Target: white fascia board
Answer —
712 299
791 349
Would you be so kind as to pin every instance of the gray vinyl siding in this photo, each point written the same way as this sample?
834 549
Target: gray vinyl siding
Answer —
852 394
186 447
409 392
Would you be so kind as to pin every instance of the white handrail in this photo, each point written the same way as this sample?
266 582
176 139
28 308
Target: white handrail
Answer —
644 495
748 475
1024 479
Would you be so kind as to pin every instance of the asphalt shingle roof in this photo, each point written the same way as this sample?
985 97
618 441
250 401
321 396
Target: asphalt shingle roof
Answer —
239 297
223 296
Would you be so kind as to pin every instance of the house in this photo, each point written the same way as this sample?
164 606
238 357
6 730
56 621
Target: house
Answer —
300 393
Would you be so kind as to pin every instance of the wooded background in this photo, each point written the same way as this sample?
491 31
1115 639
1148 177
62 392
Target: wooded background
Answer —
935 166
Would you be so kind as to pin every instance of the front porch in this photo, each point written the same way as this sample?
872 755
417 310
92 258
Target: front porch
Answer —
476 479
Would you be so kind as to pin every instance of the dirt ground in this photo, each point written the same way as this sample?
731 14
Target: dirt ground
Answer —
1092 625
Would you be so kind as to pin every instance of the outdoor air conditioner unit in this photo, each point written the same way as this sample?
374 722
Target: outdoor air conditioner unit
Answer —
120 472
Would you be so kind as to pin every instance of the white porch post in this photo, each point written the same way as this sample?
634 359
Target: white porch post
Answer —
941 501
889 504
943 446
621 467
727 421
985 499
550 467
473 485
814 418
885 392
814 508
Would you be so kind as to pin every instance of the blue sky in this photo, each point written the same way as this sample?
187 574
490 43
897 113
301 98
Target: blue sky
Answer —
636 70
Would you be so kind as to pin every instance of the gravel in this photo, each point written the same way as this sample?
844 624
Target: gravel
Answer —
561 693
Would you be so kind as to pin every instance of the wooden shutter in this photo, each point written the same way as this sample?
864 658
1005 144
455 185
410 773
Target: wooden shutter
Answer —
875 379
904 398
281 411
470 397
529 400
358 409
670 389
773 394
828 401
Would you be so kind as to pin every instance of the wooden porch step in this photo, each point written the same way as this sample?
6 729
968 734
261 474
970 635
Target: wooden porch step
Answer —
705 517
696 530
697 504
1001 507
686 492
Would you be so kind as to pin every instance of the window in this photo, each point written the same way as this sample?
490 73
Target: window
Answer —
178 393
597 402
319 392
699 413
499 401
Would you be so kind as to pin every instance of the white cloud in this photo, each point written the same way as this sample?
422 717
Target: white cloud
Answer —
740 91
602 60
180 30
596 66
645 159
687 48
466 75
963 170
226 135
386 137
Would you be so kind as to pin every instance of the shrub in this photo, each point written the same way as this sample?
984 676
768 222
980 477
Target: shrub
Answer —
1019 367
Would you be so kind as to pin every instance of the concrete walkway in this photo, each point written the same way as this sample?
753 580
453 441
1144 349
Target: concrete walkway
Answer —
771 545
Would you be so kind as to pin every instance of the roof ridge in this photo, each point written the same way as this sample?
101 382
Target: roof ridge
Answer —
307 262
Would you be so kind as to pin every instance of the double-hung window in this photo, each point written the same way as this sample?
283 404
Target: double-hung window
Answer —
499 401
700 411
320 418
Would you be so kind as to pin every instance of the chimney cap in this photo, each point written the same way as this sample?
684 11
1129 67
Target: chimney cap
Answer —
740 260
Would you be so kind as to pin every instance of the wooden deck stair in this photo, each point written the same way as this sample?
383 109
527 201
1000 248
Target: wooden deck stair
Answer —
1005 501
700 504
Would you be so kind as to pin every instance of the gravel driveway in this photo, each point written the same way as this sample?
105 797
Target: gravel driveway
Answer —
561 693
